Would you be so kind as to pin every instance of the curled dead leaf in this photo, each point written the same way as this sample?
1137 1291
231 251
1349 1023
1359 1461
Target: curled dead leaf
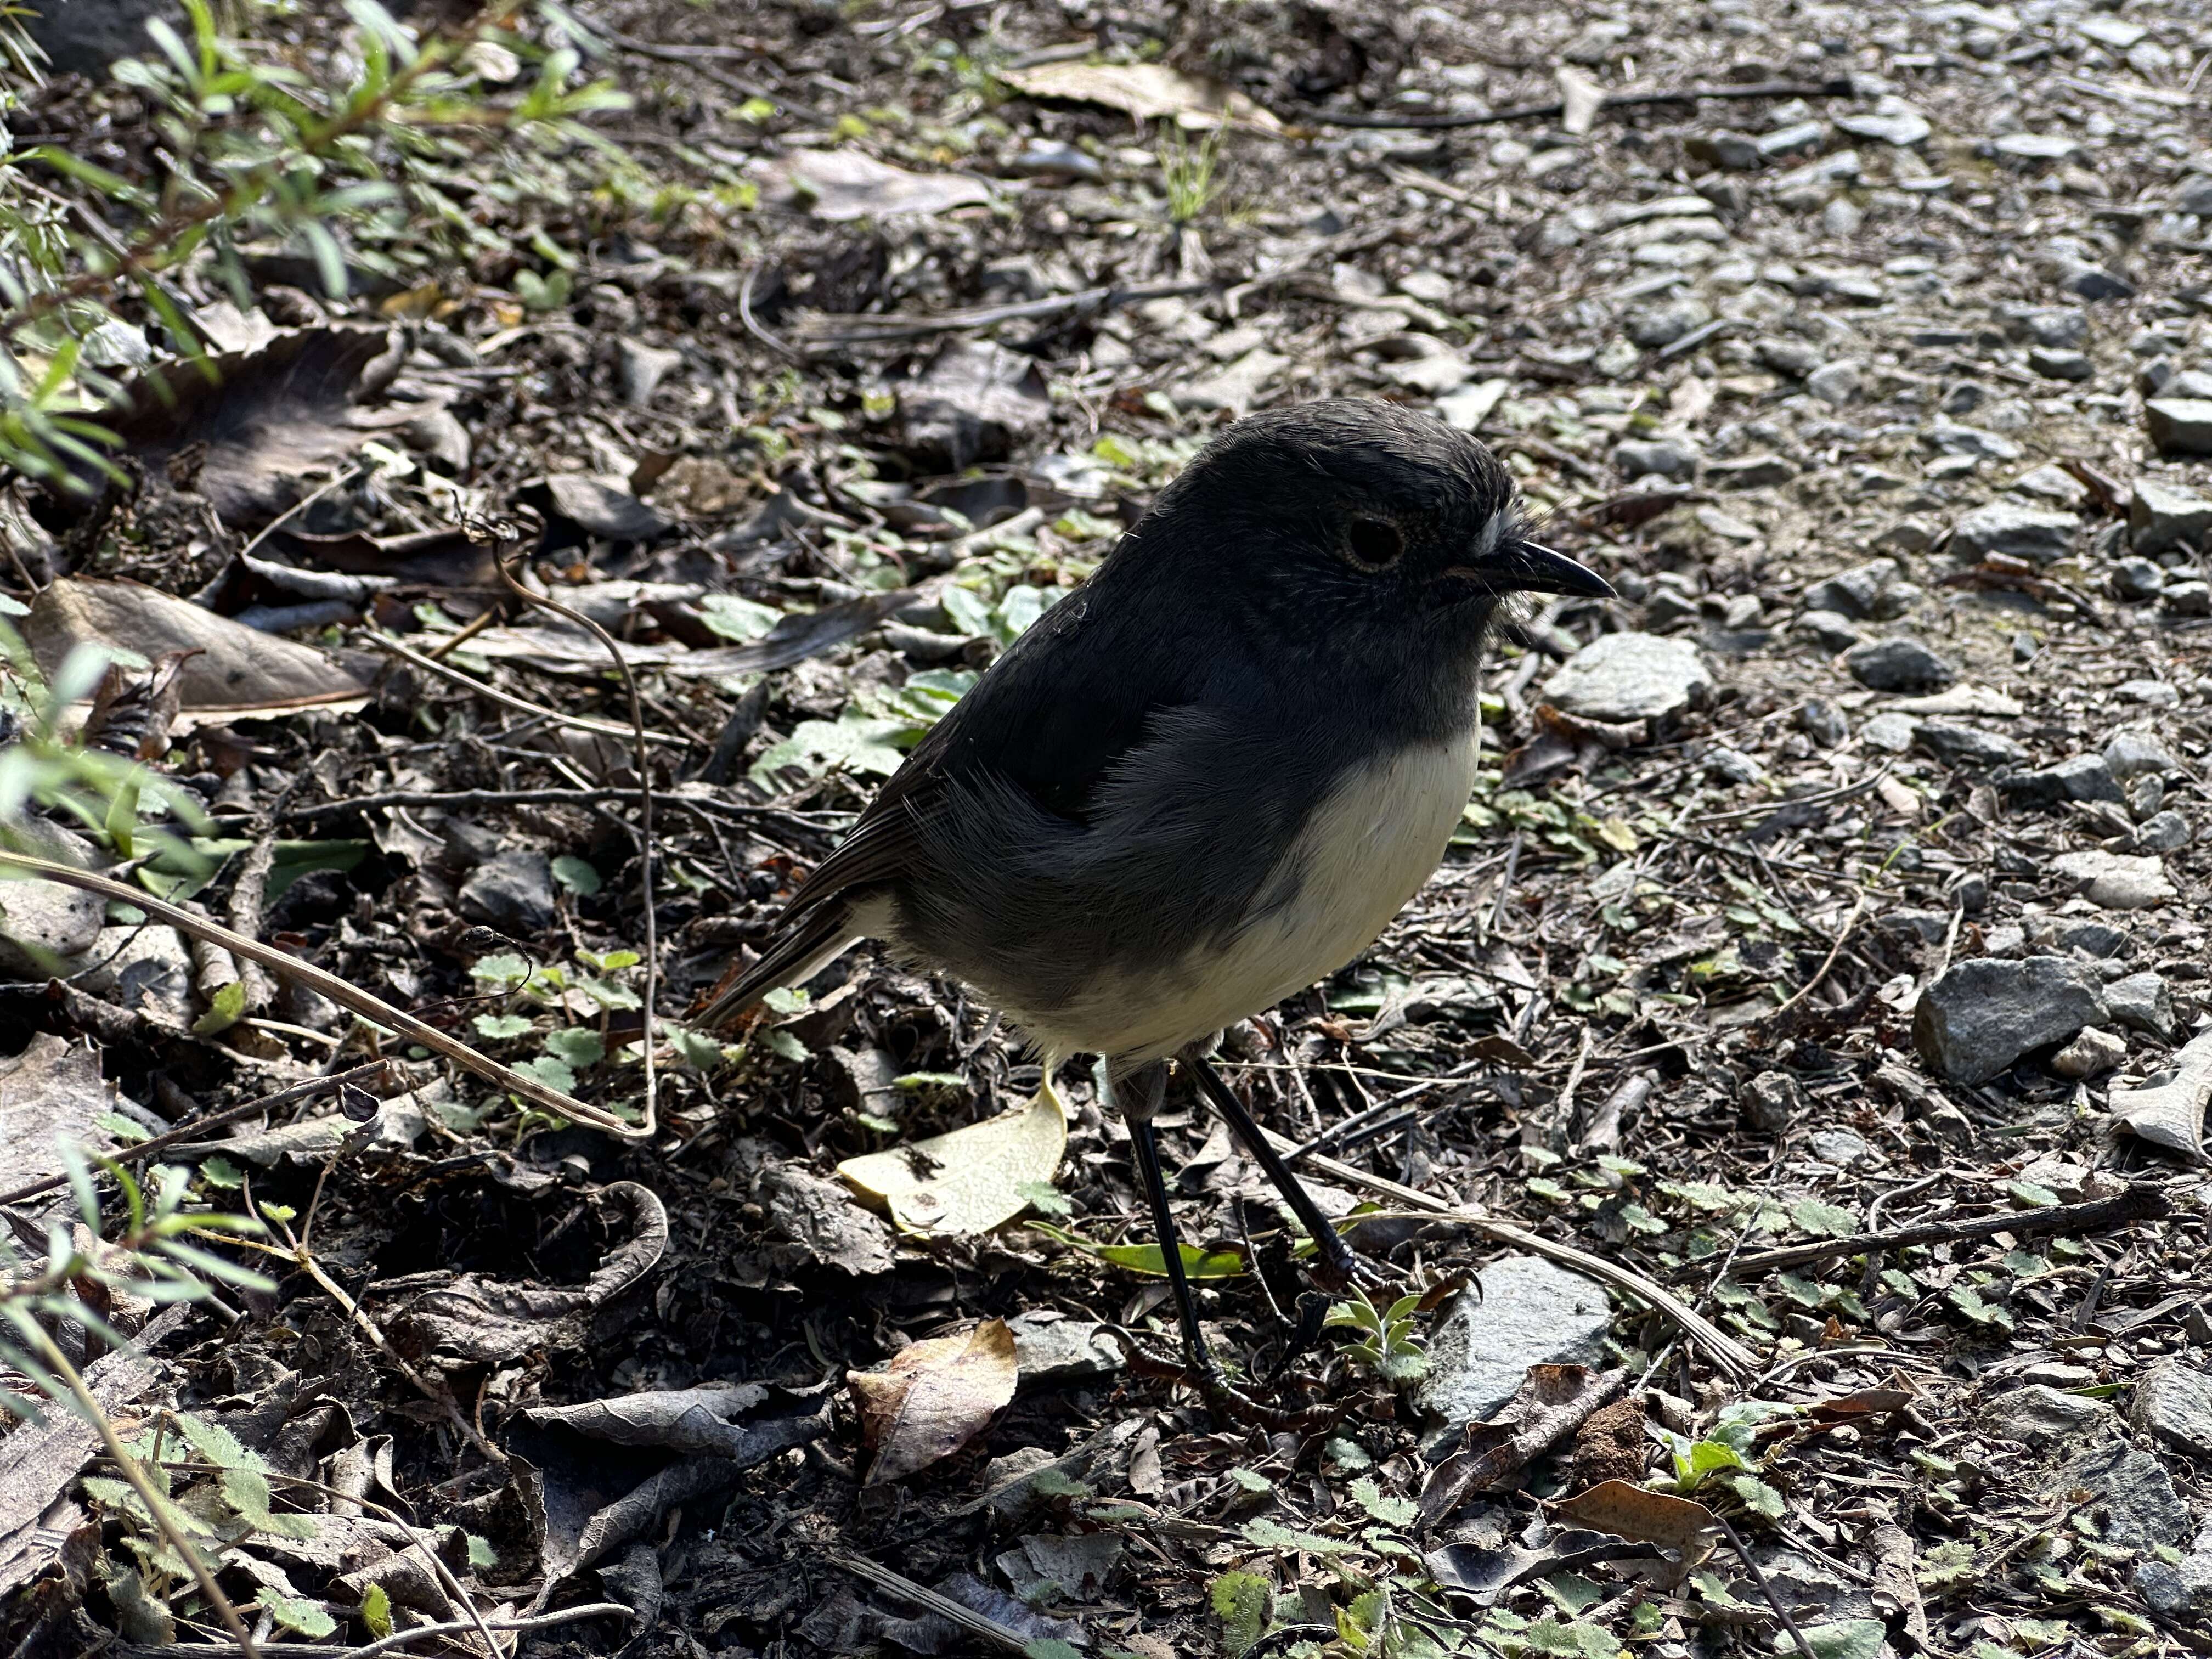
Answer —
968 1179
1628 1510
934 1397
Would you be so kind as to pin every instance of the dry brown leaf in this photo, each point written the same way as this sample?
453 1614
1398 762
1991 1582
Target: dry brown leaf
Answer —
1553 1402
1628 1510
934 1397
1145 91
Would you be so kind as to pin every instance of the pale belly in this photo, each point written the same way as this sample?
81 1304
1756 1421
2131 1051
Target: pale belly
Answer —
1366 851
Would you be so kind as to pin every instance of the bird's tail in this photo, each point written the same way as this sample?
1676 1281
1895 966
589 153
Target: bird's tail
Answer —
796 954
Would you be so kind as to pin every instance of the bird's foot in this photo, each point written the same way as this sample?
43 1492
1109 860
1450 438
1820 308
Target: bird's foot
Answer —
1337 1266
1230 1404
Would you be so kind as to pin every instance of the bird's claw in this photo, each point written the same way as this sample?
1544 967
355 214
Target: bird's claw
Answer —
1230 1404
1337 1266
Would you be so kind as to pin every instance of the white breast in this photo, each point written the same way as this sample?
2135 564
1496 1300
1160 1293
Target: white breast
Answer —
1365 851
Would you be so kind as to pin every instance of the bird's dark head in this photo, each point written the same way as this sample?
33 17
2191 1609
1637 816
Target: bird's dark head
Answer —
1360 520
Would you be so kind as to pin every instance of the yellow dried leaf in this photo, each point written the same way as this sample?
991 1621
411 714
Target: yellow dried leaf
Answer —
967 1180
1628 1510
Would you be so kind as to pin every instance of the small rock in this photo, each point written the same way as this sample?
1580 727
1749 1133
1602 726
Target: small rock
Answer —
2164 515
1824 723
1237 388
2096 938
43 923
1983 1015
1049 1349
2055 327
2060 365
2152 694
1864 591
1898 664
640 368
1969 747
2051 483
2179 1590
2078 777
2091 1053
2043 1416
2133 754
150 971
1928 927
1891 121
2142 1510
1662 324
1770 1102
2094 282
514 890
2056 1374
1731 152
1892 731
1802 138
2146 795
2173 1404
1750 473
2037 146
1836 383
2116 881
973 402
2137 578
2025 532
2180 426
1949 439
1831 632
1840 1147
2163 832
1631 676
1667 457
1531 1312
2187 599
1786 355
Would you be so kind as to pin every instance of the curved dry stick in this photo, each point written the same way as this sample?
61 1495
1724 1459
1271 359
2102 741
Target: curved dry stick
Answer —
342 992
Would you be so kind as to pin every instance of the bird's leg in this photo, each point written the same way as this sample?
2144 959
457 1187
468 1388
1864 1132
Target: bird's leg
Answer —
1139 1096
1337 1267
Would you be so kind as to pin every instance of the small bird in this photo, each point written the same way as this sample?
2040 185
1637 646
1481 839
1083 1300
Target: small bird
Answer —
1207 778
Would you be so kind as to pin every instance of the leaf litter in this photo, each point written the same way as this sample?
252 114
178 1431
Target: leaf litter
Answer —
1908 367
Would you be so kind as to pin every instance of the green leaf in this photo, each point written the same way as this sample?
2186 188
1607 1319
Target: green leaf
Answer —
504 969
481 1554
376 1611
219 1171
693 1048
1846 1639
784 1046
1390 1511
1048 1647
574 874
577 1046
1251 1479
1245 1604
1146 1258
296 1613
2030 1196
737 618
123 815
550 1072
225 1009
499 1027
1825 1219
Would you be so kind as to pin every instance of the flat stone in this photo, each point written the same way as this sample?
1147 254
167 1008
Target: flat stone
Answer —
1968 747
2091 1053
1898 664
2152 694
1981 1016
2037 146
1750 472
2140 1509
2142 1003
2051 483
1731 152
2116 881
2056 1374
1049 1349
2041 1415
2078 777
1973 702
1949 438
2136 578
1531 1312
1828 630
1836 383
2165 831
1665 458
640 369
146 970
1662 324
512 889
1631 676
1892 731
2055 327
2187 599
1770 1102
2025 532
43 924
1802 138
2060 364
1892 121
2180 426
2164 515
2174 1405
1787 355
2179 1590
1237 388
2135 754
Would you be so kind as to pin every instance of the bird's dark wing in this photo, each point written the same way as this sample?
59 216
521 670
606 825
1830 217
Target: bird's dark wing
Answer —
1053 717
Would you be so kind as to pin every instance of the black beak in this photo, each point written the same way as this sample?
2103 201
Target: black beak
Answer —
1525 567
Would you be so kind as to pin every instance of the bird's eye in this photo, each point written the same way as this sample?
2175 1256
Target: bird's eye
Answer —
1372 544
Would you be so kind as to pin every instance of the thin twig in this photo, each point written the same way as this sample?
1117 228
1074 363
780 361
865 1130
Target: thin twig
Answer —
145 1148
1835 950
738 84
1836 89
2143 1201
906 1590
1765 1588
506 699
865 328
757 328
342 992
642 759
